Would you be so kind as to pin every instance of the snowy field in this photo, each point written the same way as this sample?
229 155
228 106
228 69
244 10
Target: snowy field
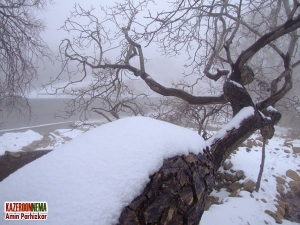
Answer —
90 179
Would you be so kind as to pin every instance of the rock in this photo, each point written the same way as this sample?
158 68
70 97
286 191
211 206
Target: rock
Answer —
288 144
27 149
280 210
239 174
230 177
280 189
259 138
288 210
280 180
227 165
287 151
277 216
234 186
293 175
248 149
296 150
249 143
210 201
282 204
232 171
295 186
243 145
254 143
220 176
249 185
233 194
263 200
277 149
285 208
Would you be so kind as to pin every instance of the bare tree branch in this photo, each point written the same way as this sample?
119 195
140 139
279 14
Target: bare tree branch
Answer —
22 49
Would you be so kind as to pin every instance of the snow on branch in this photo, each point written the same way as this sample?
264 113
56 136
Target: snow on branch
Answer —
243 114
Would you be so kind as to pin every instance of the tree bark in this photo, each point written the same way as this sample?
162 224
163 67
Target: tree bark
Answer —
176 194
239 98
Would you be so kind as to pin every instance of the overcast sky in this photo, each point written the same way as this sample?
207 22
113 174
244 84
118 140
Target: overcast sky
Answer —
56 14
163 70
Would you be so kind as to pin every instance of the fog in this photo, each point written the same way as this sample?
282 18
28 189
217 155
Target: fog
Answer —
165 70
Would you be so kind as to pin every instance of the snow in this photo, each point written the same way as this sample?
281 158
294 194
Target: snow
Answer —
236 210
60 137
43 125
68 133
263 116
91 178
13 142
236 83
243 114
271 108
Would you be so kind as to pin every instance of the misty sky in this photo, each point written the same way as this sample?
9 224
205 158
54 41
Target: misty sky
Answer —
162 69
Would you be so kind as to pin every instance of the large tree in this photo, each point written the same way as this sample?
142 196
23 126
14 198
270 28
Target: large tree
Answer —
210 34
21 49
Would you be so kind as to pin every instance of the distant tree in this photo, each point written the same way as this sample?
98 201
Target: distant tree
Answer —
21 48
210 34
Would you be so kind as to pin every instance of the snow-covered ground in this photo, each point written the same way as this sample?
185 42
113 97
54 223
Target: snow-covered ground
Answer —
14 142
250 207
89 180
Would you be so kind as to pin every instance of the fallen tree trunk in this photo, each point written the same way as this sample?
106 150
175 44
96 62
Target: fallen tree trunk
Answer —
176 194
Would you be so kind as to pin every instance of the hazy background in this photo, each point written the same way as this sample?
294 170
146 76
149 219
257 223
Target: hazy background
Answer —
164 70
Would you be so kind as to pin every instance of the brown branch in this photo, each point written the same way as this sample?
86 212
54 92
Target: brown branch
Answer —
102 114
199 100
285 28
279 94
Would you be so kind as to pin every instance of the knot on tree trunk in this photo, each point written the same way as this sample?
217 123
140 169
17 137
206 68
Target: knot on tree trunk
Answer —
272 117
176 194
267 131
247 75
273 114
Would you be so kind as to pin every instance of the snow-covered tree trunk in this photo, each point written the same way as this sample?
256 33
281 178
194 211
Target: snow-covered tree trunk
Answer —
176 194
